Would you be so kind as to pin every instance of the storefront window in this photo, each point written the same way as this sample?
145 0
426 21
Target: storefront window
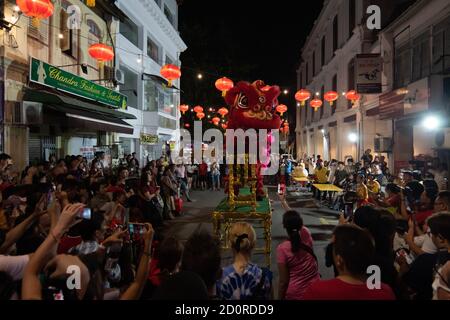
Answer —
130 88
151 96
441 46
421 57
403 66
167 123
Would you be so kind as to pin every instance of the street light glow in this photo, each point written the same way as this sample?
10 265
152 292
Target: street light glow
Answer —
353 137
286 91
200 76
323 130
431 123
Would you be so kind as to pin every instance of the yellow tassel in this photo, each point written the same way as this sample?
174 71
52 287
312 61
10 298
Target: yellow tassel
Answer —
101 64
169 83
90 3
303 103
224 93
35 22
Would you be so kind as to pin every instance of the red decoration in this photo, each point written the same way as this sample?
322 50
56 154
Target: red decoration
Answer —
170 72
266 88
353 96
198 109
200 115
223 112
101 52
90 3
224 84
187 125
302 96
36 9
331 96
316 104
183 108
224 126
282 109
216 120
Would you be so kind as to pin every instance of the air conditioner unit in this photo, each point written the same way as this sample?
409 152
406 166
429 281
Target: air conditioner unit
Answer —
383 144
114 75
119 76
27 112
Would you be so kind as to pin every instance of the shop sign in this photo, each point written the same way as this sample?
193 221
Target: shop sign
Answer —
368 73
149 139
392 104
51 76
173 145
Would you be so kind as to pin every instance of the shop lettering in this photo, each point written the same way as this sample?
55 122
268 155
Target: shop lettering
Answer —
56 74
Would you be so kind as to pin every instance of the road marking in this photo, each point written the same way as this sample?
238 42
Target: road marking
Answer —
324 221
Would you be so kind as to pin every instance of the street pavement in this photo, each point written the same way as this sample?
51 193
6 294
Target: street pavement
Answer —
320 221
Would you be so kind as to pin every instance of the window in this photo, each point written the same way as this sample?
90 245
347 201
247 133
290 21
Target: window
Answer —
168 15
334 88
167 123
314 64
152 50
69 41
352 17
94 36
402 74
130 31
441 46
169 60
158 99
335 34
351 79
322 58
130 88
151 96
421 57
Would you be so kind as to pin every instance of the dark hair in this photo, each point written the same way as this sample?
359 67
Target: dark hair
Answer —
445 197
202 256
355 246
87 228
293 223
4 157
7 286
439 224
169 254
393 188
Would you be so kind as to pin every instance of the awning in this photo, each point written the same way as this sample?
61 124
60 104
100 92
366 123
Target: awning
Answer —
82 115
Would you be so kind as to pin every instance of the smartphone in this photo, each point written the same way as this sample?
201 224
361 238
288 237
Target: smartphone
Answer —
403 253
348 211
136 230
86 214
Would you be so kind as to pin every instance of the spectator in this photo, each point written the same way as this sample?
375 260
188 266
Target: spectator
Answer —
353 253
297 263
202 256
202 173
215 174
244 280
361 190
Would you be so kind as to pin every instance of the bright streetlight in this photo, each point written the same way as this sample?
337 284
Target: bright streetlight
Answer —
431 123
200 76
353 137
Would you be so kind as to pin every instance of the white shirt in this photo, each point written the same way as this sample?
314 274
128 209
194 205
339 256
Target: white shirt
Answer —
14 266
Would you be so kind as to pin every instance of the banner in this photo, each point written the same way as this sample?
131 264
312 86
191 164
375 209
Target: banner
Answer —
368 73
149 139
51 76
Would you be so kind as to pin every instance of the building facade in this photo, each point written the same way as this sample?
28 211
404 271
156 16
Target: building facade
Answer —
329 55
55 98
146 41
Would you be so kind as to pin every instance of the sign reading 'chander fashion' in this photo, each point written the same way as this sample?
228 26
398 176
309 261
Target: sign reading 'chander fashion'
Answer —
51 76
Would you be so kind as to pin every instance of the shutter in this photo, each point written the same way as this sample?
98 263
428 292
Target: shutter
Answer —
65 31
34 148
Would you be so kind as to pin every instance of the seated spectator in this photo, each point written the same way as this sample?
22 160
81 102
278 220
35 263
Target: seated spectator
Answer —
373 187
297 263
202 256
353 253
361 190
419 275
392 199
244 280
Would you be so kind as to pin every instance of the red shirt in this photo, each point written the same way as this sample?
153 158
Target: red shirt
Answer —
421 216
337 289
68 243
203 169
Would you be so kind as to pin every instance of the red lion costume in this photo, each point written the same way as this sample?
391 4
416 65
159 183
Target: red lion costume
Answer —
252 106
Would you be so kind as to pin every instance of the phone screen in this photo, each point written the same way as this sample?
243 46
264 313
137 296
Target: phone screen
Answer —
86 215
136 230
348 211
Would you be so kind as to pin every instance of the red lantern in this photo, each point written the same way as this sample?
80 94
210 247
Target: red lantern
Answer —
216 120
224 126
316 104
170 72
282 109
187 125
331 96
198 109
353 96
36 9
183 108
200 115
224 84
90 3
223 112
302 96
101 52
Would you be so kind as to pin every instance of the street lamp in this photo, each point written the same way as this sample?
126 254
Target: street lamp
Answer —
353 137
200 76
286 91
431 123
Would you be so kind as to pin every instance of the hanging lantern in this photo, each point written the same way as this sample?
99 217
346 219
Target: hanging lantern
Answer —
223 112
101 52
216 120
170 72
90 3
316 104
224 126
282 109
331 96
224 84
36 9
353 96
302 96
198 109
187 125
183 108
200 115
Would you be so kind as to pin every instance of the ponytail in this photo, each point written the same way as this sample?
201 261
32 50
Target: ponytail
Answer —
295 239
293 223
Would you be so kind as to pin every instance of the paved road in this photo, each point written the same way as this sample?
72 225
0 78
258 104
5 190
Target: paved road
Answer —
321 222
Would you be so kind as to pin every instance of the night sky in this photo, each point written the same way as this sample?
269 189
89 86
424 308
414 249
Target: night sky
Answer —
242 40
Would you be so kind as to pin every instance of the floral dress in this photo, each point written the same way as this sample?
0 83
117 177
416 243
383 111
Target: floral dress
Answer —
235 286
